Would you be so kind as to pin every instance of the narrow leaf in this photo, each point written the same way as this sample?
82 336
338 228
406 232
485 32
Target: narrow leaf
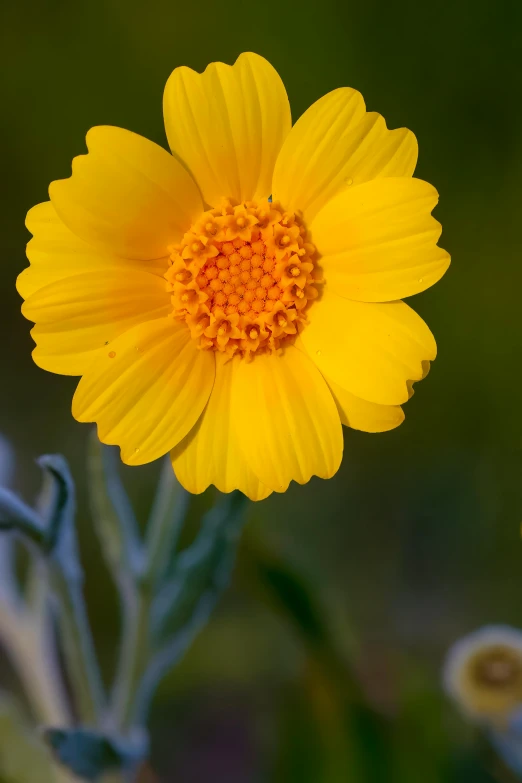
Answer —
204 566
90 754
187 600
15 515
61 508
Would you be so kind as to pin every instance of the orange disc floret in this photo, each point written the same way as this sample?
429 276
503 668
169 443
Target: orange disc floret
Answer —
182 275
259 247
243 278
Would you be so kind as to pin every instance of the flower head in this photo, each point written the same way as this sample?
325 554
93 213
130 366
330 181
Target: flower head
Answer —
238 300
483 673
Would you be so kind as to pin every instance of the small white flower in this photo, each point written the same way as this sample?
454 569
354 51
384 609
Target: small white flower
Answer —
483 673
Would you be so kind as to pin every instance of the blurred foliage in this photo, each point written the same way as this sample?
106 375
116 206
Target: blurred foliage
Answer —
21 752
416 540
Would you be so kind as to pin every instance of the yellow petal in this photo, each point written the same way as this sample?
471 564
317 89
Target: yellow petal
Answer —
372 350
210 453
76 316
55 252
146 390
378 241
334 145
287 422
426 367
128 196
363 415
227 125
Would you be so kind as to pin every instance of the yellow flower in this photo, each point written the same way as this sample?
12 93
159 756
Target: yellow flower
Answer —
483 673
206 319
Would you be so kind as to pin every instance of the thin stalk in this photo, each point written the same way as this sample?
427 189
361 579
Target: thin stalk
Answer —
78 647
65 575
163 530
135 652
216 547
30 649
171 653
164 525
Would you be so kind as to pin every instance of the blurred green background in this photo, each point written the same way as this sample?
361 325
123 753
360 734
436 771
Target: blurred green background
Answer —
416 541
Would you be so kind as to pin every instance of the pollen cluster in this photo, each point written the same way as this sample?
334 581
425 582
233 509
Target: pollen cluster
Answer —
243 278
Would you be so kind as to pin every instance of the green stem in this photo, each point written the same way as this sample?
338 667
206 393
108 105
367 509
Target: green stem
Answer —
164 525
163 529
204 570
52 533
78 646
134 658
60 552
28 645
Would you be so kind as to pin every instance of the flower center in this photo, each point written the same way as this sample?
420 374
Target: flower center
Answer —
498 668
243 278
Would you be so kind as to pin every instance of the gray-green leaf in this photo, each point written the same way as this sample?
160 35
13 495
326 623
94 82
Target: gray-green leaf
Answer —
90 754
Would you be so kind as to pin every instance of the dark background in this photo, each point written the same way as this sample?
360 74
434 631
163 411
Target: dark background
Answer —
416 541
